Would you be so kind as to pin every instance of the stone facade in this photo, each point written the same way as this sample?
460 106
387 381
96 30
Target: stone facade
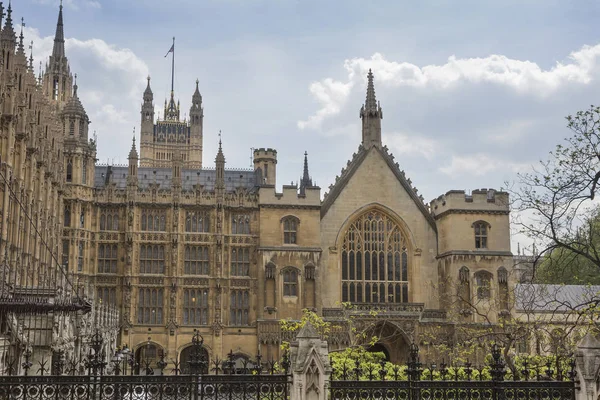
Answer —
180 247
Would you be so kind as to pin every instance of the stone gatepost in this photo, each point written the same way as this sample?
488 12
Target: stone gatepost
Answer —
310 366
588 366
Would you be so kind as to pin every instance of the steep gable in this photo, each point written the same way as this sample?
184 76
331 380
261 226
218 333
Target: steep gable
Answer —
353 165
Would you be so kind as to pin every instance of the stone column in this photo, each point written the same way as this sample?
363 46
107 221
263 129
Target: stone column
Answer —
588 366
310 366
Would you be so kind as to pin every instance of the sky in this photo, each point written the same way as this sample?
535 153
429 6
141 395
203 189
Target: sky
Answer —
472 91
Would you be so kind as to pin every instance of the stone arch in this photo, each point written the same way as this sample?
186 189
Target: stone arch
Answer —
185 356
393 340
146 356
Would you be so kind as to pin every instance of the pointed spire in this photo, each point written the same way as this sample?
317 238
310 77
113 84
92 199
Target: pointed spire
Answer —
8 33
220 156
58 51
31 57
75 86
148 95
371 102
371 115
305 181
20 46
133 152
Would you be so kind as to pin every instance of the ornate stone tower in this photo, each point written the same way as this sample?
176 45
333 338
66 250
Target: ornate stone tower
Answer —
265 163
371 115
147 125
196 124
160 141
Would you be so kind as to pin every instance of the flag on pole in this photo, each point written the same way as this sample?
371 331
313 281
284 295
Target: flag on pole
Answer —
171 50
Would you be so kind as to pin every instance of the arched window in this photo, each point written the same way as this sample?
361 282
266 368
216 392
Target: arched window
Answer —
69 171
290 230
290 282
481 234
195 307
464 284
484 281
503 288
374 261
67 216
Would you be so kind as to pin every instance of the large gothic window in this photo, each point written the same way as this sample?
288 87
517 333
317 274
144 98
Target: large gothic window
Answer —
374 261
195 307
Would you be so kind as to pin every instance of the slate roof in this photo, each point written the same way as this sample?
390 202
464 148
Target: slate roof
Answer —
234 178
548 298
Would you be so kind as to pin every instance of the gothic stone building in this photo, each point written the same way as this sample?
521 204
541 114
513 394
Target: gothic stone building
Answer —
180 246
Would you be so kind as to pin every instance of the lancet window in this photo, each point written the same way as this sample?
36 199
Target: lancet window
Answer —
152 259
195 307
374 260
154 220
290 282
107 259
150 306
240 261
196 260
109 220
240 224
197 222
239 306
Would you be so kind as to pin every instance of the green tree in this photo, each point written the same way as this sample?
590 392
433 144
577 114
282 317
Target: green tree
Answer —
556 205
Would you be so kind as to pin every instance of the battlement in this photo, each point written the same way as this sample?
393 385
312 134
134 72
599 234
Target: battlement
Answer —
263 153
480 199
290 196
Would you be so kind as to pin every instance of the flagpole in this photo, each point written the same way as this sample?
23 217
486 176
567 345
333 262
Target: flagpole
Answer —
173 67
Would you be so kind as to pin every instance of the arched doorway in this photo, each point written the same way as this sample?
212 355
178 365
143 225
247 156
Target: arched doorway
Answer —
380 348
146 357
392 341
186 356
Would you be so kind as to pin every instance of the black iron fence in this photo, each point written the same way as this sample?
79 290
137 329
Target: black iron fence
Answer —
158 387
252 380
413 382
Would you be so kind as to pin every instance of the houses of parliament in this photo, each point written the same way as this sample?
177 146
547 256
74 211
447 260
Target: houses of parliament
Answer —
176 242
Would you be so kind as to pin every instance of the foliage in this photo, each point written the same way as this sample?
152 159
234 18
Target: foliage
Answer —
564 266
558 197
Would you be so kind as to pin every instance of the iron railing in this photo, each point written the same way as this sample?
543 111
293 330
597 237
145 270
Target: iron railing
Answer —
252 380
413 382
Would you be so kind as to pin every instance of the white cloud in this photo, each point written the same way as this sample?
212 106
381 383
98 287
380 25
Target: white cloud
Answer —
111 81
332 96
402 143
509 132
524 77
480 164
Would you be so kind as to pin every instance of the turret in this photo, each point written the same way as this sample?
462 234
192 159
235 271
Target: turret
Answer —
147 113
220 171
265 162
133 162
196 124
75 119
371 115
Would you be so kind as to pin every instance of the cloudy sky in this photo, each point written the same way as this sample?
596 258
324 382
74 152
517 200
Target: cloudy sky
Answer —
472 91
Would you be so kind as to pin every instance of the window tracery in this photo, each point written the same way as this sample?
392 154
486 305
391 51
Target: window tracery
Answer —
107 259
290 282
109 220
197 222
154 220
152 259
483 280
374 261
150 306
290 230
196 260
240 224
195 307
481 234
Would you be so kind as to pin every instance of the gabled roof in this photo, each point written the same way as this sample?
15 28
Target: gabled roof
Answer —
357 159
